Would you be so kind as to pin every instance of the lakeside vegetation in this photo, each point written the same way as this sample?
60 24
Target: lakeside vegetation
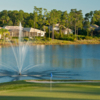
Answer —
60 91
43 20
48 41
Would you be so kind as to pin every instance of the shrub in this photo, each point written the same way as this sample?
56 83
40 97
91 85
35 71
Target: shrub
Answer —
14 37
26 39
68 37
48 39
81 37
88 37
56 35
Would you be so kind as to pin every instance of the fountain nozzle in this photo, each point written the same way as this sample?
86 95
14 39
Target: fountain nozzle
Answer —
19 73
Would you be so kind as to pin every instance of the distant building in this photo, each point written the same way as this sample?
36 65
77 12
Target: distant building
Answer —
33 32
56 27
97 31
94 26
14 30
0 34
27 32
67 31
0 27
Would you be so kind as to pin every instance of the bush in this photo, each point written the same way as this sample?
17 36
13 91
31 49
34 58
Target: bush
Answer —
48 39
81 37
69 37
26 39
15 37
88 37
37 38
57 35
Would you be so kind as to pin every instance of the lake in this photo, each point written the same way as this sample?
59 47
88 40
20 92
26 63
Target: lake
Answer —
65 62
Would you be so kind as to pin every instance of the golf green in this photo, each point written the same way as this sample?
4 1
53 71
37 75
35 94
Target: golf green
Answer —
22 90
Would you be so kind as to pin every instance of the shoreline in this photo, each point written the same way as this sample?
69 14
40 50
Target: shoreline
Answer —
56 42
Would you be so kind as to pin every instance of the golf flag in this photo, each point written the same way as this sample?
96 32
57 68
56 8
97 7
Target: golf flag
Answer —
51 75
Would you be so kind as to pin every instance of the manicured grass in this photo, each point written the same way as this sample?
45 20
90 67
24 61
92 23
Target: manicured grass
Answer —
22 90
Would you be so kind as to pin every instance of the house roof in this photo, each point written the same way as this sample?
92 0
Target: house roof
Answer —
57 25
32 30
11 27
97 29
25 29
67 29
92 26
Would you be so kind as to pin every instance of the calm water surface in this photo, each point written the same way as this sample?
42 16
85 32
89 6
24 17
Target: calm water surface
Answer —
65 62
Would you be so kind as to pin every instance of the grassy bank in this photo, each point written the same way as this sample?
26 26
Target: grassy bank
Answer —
54 42
22 90
64 42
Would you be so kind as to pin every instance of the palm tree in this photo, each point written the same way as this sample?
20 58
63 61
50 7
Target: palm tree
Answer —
61 27
4 33
3 19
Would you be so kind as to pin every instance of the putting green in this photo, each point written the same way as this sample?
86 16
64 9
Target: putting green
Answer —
22 90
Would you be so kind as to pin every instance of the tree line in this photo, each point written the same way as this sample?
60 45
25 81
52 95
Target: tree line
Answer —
40 18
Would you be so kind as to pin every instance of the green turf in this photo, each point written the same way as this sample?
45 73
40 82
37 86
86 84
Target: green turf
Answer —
22 90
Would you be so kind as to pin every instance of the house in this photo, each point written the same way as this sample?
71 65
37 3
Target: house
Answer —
14 30
67 31
33 32
92 26
56 27
95 28
97 31
27 32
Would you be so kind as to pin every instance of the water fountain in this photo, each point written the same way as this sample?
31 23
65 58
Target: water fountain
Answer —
20 56
20 68
21 52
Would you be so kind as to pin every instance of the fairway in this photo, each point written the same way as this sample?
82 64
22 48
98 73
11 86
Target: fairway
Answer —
22 90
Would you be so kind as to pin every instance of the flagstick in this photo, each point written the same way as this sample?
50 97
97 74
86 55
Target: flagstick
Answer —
50 83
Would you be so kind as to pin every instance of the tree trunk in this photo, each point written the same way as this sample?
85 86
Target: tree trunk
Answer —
68 31
77 31
53 31
34 31
3 21
49 31
75 28
61 32
34 24
87 32
92 33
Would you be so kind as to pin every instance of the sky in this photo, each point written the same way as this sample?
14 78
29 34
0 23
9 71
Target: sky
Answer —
28 5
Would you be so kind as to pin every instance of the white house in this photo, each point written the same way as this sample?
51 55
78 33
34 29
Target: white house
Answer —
56 27
67 31
92 26
34 32
27 32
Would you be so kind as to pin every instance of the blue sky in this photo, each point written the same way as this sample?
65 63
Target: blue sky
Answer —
28 5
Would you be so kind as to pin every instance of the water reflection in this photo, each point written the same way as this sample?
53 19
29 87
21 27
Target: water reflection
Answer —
69 56
67 61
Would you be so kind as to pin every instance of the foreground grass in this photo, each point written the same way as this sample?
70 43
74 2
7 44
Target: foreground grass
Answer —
22 90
